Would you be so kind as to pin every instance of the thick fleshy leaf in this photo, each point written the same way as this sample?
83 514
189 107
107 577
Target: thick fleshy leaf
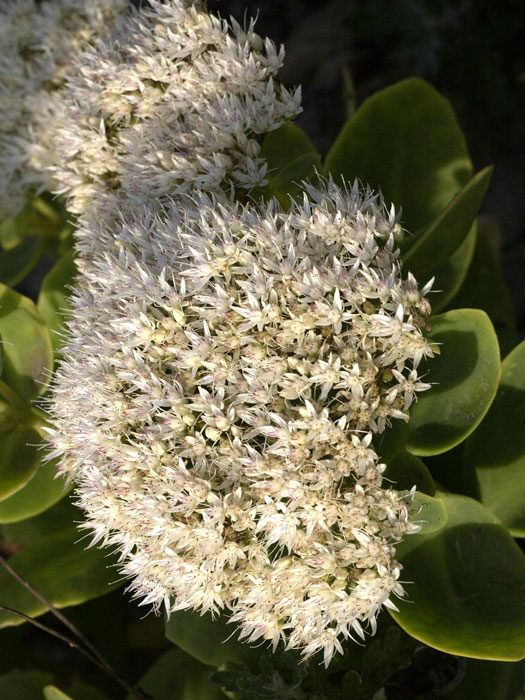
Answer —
490 680
53 301
406 142
62 569
27 349
465 377
51 692
391 441
41 492
430 513
450 275
178 676
407 470
288 181
283 145
468 585
38 218
24 685
19 459
436 243
17 262
495 452
212 642
484 286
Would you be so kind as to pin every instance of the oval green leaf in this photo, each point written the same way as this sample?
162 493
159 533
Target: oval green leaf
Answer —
406 142
465 376
407 470
428 512
17 262
53 301
20 457
450 275
468 585
211 641
176 675
495 452
24 685
493 298
27 349
436 243
41 492
283 145
51 692
60 568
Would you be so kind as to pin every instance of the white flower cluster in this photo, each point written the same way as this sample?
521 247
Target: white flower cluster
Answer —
173 101
39 43
226 369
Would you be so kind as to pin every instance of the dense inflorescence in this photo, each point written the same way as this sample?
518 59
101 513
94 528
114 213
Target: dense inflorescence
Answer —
175 99
39 43
226 370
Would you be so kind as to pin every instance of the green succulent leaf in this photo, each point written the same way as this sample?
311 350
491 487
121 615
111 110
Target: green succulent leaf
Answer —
436 243
212 641
176 675
490 680
493 298
23 685
17 262
429 512
465 377
407 470
19 459
451 274
51 692
60 568
495 452
38 218
53 301
288 182
467 585
284 145
42 491
406 142
27 349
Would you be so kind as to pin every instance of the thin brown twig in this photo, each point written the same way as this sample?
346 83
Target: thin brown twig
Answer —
75 645
90 652
60 616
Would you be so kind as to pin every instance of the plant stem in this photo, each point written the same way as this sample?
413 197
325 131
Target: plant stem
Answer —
91 652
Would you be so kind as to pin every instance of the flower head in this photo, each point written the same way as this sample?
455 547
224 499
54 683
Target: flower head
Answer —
38 45
227 368
175 99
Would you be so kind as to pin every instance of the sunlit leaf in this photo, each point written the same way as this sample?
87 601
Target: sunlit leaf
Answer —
467 585
495 452
465 377
406 142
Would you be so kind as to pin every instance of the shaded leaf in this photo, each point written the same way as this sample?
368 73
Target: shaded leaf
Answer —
212 642
283 145
406 142
53 301
38 218
61 568
19 459
468 585
23 685
407 470
178 676
436 243
495 452
484 286
17 262
465 375
41 492
288 181
27 349
450 275
490 680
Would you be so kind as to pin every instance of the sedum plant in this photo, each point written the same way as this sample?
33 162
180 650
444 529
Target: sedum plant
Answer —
271 381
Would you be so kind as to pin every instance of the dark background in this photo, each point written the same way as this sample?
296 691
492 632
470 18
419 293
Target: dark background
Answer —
470 50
